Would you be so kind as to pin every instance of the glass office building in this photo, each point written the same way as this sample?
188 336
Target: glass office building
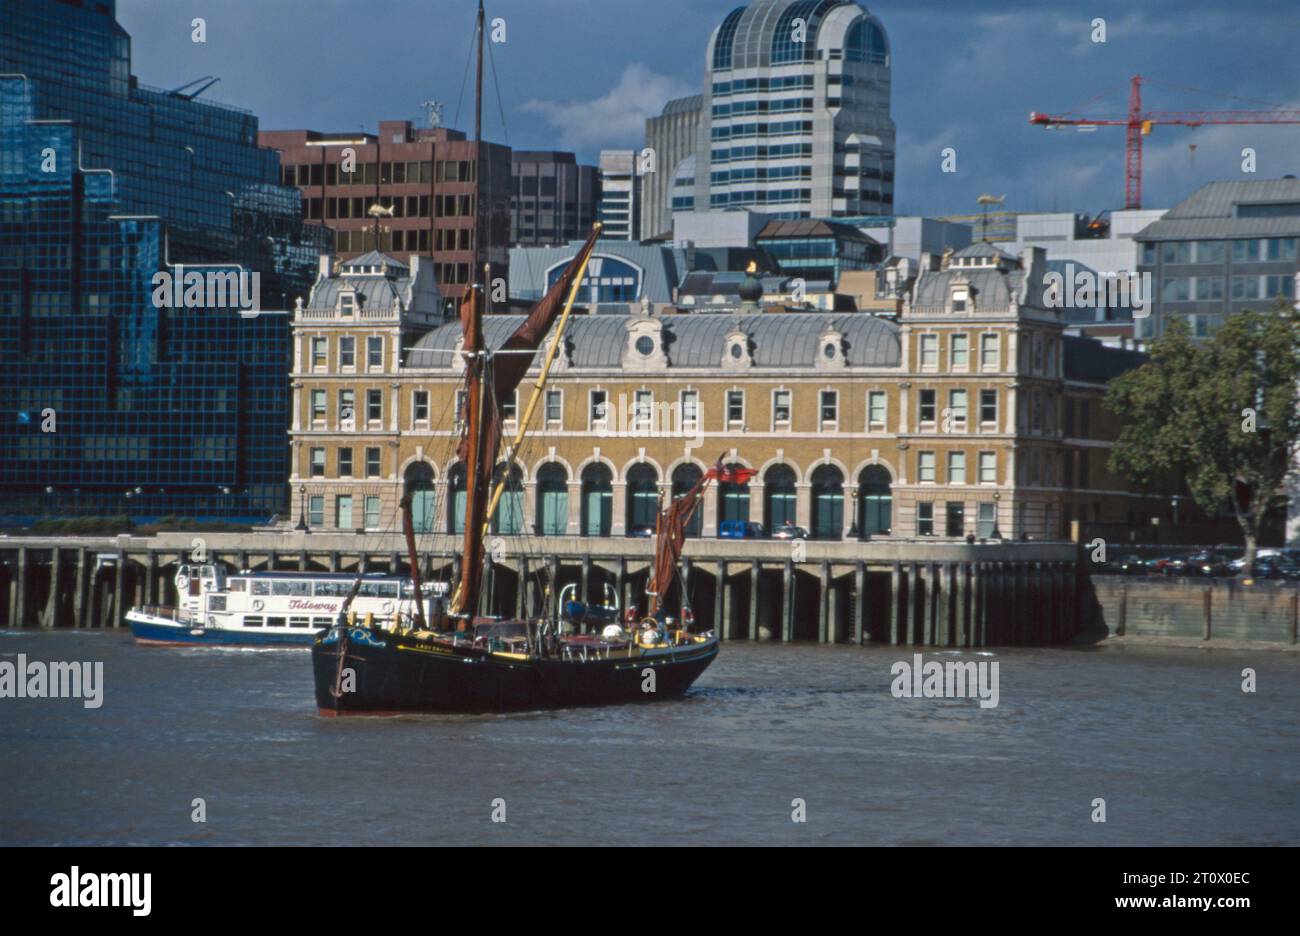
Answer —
119 398
794 119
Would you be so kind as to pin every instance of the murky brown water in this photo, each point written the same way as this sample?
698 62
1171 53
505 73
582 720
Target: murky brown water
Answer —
1166 736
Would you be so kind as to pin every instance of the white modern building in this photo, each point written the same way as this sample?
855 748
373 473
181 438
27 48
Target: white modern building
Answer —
794 117
620 203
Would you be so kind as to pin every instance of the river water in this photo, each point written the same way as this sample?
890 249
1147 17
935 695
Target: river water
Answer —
1166 737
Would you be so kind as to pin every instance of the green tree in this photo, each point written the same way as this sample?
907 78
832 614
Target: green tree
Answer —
1223 412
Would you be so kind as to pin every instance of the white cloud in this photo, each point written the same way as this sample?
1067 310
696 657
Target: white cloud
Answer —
618 117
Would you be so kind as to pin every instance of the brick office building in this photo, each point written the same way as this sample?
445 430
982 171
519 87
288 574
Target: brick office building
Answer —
425 177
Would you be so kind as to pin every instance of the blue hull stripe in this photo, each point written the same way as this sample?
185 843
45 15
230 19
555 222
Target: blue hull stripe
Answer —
177 634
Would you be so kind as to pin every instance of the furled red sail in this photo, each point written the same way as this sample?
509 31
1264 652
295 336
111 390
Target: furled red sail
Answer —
671 526
493 380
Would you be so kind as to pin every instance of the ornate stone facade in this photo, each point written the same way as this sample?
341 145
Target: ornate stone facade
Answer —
971 414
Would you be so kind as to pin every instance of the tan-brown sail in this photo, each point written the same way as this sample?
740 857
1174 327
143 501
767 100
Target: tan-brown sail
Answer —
491 380
670 530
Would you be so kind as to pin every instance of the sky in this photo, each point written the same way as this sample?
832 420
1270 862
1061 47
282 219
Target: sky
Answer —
583 75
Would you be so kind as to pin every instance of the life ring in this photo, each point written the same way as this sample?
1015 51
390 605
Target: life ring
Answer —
387 607
258 604
182 581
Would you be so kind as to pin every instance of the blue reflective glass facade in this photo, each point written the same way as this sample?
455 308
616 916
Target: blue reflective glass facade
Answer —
726 38
112 401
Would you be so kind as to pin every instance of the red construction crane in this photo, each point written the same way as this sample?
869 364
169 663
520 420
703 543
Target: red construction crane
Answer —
1139 124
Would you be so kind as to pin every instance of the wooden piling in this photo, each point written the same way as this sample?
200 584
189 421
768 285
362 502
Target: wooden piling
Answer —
787 601
860 631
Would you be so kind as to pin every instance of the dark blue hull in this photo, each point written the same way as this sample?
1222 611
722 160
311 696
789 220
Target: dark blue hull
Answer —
395 674
169 634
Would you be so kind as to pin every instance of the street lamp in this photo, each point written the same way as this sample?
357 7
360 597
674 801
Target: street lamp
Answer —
302 510
996 534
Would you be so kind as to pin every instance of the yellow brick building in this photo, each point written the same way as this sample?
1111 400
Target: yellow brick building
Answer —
972 414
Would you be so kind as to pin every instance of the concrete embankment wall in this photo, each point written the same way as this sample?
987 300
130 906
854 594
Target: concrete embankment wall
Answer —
1202 609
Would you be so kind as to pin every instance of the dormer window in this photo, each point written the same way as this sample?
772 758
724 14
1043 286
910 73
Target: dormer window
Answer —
645 346
960 298
347 303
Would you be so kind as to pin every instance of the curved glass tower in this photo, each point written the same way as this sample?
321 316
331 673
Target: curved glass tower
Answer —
795 117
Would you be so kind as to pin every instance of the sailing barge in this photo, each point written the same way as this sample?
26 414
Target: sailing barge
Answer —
460 661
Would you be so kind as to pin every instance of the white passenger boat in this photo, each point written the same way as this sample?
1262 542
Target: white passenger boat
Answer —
267 608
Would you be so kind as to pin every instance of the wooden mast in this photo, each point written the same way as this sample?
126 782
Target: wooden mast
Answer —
465 601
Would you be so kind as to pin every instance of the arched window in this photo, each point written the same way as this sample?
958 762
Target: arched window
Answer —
875 502
685 477
866 43
418 479
552 500
597 500
733 499
456 498
787 46
508 518
642 497
726 38
608 279
827 503
781 502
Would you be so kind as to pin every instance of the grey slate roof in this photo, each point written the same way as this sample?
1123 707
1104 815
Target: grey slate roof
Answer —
694 340
1208 213
992 287
983 249
375 258
664 266
376 292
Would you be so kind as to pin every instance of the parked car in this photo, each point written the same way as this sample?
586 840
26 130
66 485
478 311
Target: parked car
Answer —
1125 565
1273 566
740 529
1174 564
1209 563
789 532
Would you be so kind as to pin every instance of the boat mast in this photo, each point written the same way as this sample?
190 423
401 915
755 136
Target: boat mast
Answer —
465 601
539 386
408 528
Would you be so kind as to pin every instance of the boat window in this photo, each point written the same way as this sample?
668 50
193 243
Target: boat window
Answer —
379 589
260 587
237 585
251 621
322 622
216 602
333 589
300 622
275 622
291 588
